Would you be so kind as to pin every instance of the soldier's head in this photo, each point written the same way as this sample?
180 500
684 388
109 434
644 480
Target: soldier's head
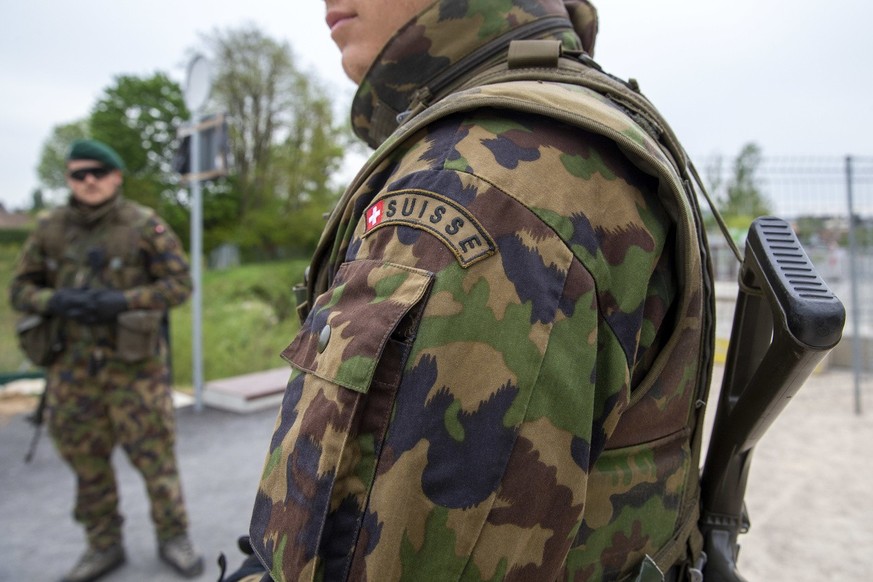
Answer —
360 28
94 171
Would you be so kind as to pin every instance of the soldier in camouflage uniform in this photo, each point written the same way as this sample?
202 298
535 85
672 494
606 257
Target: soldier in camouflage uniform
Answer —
110 269
503 360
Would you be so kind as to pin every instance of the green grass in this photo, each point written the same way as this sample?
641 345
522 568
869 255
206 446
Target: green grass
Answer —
248 318
11 359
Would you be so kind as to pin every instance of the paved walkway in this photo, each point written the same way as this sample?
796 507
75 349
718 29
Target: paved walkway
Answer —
220 456
809 493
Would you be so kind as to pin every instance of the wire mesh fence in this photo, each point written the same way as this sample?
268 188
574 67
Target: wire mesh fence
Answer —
829 201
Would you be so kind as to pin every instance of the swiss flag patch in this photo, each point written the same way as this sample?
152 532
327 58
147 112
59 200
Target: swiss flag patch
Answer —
374 215
438 215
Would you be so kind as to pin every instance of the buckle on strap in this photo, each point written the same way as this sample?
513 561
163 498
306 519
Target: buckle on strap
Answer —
534 53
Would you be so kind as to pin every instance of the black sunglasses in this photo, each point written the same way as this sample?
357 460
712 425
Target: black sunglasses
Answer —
80 175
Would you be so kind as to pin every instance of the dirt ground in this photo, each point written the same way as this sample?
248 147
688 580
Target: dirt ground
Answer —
809 493
14 403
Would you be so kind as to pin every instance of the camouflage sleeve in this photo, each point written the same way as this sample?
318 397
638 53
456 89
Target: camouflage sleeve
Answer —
455 384
30 289
168 268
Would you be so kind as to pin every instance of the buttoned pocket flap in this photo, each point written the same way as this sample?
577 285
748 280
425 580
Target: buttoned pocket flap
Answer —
346 332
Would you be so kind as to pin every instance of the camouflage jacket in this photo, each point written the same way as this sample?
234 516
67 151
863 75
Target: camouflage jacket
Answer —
498 374
118 245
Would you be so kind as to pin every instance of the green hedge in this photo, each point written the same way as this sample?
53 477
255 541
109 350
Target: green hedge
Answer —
249 317
13 236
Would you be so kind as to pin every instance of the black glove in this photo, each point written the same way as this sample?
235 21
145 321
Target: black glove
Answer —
88 306
105 305
72 303
250 566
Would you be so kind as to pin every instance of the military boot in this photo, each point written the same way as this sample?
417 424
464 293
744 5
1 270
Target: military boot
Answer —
95 563
179 552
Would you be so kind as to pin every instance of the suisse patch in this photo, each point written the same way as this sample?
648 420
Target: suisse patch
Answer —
444 218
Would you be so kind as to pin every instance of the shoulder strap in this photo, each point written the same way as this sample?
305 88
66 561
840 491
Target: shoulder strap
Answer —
52 230
538 55
543 60
134 215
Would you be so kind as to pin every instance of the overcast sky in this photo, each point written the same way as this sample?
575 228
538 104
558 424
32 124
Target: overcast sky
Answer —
794 77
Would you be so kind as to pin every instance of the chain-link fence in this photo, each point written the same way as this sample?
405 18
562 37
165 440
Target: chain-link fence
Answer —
817 195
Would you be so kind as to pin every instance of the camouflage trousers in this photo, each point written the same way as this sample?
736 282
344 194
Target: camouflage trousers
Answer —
94 405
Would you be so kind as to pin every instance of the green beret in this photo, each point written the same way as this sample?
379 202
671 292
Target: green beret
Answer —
91 149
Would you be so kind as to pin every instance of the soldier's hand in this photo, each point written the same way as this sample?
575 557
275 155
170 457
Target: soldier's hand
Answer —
72 303
105 305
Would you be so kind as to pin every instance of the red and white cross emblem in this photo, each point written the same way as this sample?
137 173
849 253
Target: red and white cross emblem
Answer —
374 215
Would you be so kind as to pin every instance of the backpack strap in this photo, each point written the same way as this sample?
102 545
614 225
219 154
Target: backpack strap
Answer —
545 60
52 229
545 54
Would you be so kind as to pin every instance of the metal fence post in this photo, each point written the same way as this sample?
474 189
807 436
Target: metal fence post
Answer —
853 281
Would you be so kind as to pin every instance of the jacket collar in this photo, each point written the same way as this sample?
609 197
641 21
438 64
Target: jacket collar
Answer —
89 215
448 42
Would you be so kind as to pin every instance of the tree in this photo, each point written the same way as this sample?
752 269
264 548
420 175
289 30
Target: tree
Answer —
138 117
284 146
51 170
256 83
304 162
283 140
37 200
738 196
744 197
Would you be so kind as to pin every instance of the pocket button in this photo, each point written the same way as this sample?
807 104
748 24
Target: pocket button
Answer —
323 338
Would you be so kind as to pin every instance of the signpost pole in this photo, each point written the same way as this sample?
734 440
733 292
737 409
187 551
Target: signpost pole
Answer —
196 92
